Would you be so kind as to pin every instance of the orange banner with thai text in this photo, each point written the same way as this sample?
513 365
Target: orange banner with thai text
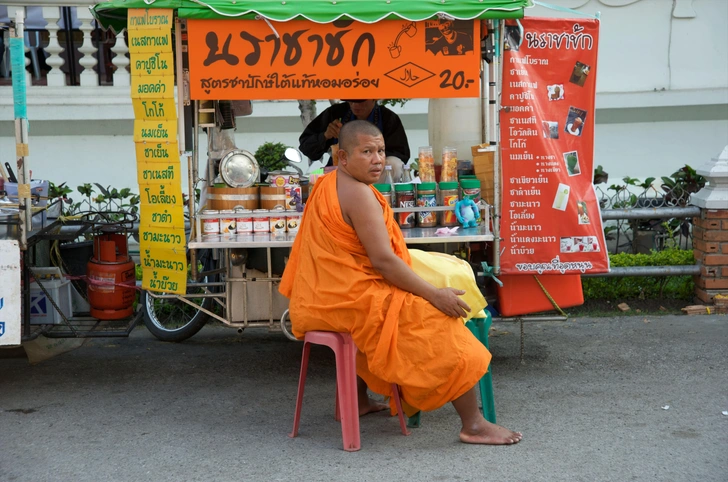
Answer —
251 59
550 218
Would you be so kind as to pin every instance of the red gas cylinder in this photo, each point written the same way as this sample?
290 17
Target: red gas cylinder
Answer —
109 271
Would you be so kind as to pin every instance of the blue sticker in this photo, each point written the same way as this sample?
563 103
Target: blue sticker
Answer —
38 306
2 328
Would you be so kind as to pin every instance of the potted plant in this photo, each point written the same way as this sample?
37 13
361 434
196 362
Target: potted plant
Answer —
271 157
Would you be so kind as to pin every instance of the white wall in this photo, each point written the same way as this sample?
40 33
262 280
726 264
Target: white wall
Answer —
662 102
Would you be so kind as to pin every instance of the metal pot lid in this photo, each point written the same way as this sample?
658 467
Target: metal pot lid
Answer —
239 168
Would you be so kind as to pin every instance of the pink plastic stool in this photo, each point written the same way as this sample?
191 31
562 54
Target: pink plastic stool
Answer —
347 404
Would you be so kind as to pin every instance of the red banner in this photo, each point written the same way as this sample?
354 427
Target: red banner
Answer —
253 59
550 221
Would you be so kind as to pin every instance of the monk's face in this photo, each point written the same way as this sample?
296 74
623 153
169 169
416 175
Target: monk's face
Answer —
365 161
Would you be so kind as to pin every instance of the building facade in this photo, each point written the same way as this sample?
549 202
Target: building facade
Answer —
662 93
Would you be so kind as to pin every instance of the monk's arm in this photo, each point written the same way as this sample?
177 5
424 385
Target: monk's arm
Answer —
366 218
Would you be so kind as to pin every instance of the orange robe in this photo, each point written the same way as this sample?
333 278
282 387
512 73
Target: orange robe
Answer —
402 338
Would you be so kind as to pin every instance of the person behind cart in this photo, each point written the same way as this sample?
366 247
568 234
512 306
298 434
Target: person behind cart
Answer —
322 133
350 271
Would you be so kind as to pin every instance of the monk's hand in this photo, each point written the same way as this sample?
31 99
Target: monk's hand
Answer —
449 302
333 129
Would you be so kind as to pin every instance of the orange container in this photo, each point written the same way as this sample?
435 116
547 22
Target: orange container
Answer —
521 294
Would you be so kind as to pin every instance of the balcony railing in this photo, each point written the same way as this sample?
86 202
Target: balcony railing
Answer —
65 46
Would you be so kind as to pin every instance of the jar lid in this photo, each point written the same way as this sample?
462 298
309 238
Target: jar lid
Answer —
448 185
470 183
403 187
383 187
427 186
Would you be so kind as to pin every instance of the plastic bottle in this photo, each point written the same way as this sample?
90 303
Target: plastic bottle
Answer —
406 175
388 179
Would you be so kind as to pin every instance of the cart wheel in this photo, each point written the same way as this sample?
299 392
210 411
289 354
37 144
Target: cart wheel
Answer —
286 327
170 319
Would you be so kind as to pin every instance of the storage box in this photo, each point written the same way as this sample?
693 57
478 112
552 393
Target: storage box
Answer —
38 192
521 294
42 311
484 168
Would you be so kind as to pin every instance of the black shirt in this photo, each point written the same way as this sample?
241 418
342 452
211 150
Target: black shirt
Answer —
314 145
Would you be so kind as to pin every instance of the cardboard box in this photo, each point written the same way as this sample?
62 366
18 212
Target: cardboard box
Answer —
484 168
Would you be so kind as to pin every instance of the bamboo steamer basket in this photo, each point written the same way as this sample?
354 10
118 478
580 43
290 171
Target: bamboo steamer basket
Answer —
272 197
233 197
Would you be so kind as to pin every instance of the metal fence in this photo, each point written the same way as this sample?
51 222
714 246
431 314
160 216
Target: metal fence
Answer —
638 219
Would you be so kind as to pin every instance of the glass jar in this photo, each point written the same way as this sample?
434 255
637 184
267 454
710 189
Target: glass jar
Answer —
449 164
426 164
405 199
427 197
449 196
470 190
386 191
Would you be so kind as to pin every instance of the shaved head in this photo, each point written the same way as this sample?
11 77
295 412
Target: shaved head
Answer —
350 132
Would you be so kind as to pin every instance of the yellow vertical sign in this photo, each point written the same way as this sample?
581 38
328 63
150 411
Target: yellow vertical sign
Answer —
161 229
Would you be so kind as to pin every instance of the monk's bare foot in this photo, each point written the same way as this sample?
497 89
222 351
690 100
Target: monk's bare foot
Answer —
487 433
371 406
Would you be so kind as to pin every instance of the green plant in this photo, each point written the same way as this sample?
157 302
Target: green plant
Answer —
600 175
643 287
107 199
58 194
393 102
271 156
681 184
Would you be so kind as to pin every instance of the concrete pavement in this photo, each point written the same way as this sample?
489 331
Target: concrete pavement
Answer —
589 400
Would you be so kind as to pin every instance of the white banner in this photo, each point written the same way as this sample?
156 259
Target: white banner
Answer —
10 297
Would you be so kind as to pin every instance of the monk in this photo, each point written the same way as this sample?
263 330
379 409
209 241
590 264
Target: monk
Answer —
350 271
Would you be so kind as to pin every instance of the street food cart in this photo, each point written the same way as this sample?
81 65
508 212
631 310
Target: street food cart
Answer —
192 61
286 50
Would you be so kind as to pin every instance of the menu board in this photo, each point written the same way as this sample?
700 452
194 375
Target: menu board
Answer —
162 242
550 222
301 59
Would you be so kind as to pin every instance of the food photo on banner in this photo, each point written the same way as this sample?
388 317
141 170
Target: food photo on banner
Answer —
551 222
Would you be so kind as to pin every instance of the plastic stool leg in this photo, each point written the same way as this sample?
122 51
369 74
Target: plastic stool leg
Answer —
301 386
346 389
337 409
400 413
480 327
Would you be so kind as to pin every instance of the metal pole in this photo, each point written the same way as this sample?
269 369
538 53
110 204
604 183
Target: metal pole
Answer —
17 55
484 97
684 270
495 79
651 213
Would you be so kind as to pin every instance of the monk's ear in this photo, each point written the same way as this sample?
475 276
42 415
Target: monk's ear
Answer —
343 156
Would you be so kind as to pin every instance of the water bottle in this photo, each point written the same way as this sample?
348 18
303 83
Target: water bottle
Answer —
388 179
406 175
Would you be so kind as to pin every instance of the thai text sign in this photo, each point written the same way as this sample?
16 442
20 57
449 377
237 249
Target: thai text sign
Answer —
550 220
161 228
251 59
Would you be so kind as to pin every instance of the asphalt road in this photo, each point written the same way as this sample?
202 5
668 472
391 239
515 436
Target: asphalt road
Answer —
589 400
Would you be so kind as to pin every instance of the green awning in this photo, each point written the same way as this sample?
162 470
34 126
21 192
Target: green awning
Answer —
113 12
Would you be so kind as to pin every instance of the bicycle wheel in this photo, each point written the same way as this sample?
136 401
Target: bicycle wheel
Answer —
170 319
